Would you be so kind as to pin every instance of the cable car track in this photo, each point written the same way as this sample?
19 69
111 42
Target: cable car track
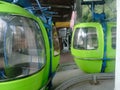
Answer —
93 81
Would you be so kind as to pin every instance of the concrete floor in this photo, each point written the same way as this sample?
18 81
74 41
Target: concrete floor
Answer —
66 57
66 70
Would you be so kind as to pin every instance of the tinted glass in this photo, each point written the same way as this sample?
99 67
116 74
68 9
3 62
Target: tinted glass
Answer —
22 50
113 30
85 38
55 42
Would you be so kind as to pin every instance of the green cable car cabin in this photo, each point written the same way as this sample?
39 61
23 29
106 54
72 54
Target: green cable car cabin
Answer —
94 37
88 46
24 50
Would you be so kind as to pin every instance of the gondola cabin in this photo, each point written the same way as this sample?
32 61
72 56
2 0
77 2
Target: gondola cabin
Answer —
24 50
93 51
55 50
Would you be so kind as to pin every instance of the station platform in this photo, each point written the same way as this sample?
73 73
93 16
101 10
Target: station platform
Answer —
69 77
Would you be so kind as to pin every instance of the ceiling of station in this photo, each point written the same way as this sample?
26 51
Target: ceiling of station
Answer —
62 8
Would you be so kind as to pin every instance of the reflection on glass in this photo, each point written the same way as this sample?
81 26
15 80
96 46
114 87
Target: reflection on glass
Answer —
85 38
55 42
22 50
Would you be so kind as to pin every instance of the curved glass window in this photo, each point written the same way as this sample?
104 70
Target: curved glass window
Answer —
85 38
113 30
22 50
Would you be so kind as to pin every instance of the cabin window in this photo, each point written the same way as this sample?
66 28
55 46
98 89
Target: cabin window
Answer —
113 30
22 47
55 41
85 38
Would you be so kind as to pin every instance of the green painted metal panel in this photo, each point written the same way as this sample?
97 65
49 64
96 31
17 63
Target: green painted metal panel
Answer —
89 61
111 51
55 63
33 82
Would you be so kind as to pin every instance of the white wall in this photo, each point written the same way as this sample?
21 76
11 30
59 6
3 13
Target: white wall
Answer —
117 67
